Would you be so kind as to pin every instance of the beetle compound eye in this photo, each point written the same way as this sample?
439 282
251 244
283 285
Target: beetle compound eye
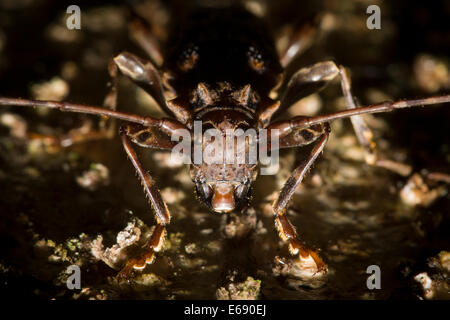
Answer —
207 191
203 191
239 191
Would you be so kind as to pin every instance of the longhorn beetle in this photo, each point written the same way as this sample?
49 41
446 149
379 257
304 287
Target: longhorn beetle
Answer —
220 69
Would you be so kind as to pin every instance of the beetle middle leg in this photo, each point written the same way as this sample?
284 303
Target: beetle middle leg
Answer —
316 77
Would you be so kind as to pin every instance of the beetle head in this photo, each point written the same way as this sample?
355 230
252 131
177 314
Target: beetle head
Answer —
221 184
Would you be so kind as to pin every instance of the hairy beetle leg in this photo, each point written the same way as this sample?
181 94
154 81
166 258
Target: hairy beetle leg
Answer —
285 229
162 214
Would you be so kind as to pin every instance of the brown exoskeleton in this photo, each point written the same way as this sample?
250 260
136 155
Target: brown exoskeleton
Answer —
221 65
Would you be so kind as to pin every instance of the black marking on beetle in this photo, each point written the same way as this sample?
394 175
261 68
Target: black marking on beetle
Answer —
255 59
188 58
144 136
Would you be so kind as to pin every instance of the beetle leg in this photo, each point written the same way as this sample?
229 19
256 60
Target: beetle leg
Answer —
147 77
316 77
162 214
145 39
304 82
365 135
285 229
110 100
308 80
149 137
298 41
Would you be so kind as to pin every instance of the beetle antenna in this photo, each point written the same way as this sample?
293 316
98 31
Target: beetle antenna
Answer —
386 106
79 108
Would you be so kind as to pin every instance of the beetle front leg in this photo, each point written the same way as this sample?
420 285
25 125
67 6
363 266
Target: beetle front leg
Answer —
285 228
154 245
162 214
